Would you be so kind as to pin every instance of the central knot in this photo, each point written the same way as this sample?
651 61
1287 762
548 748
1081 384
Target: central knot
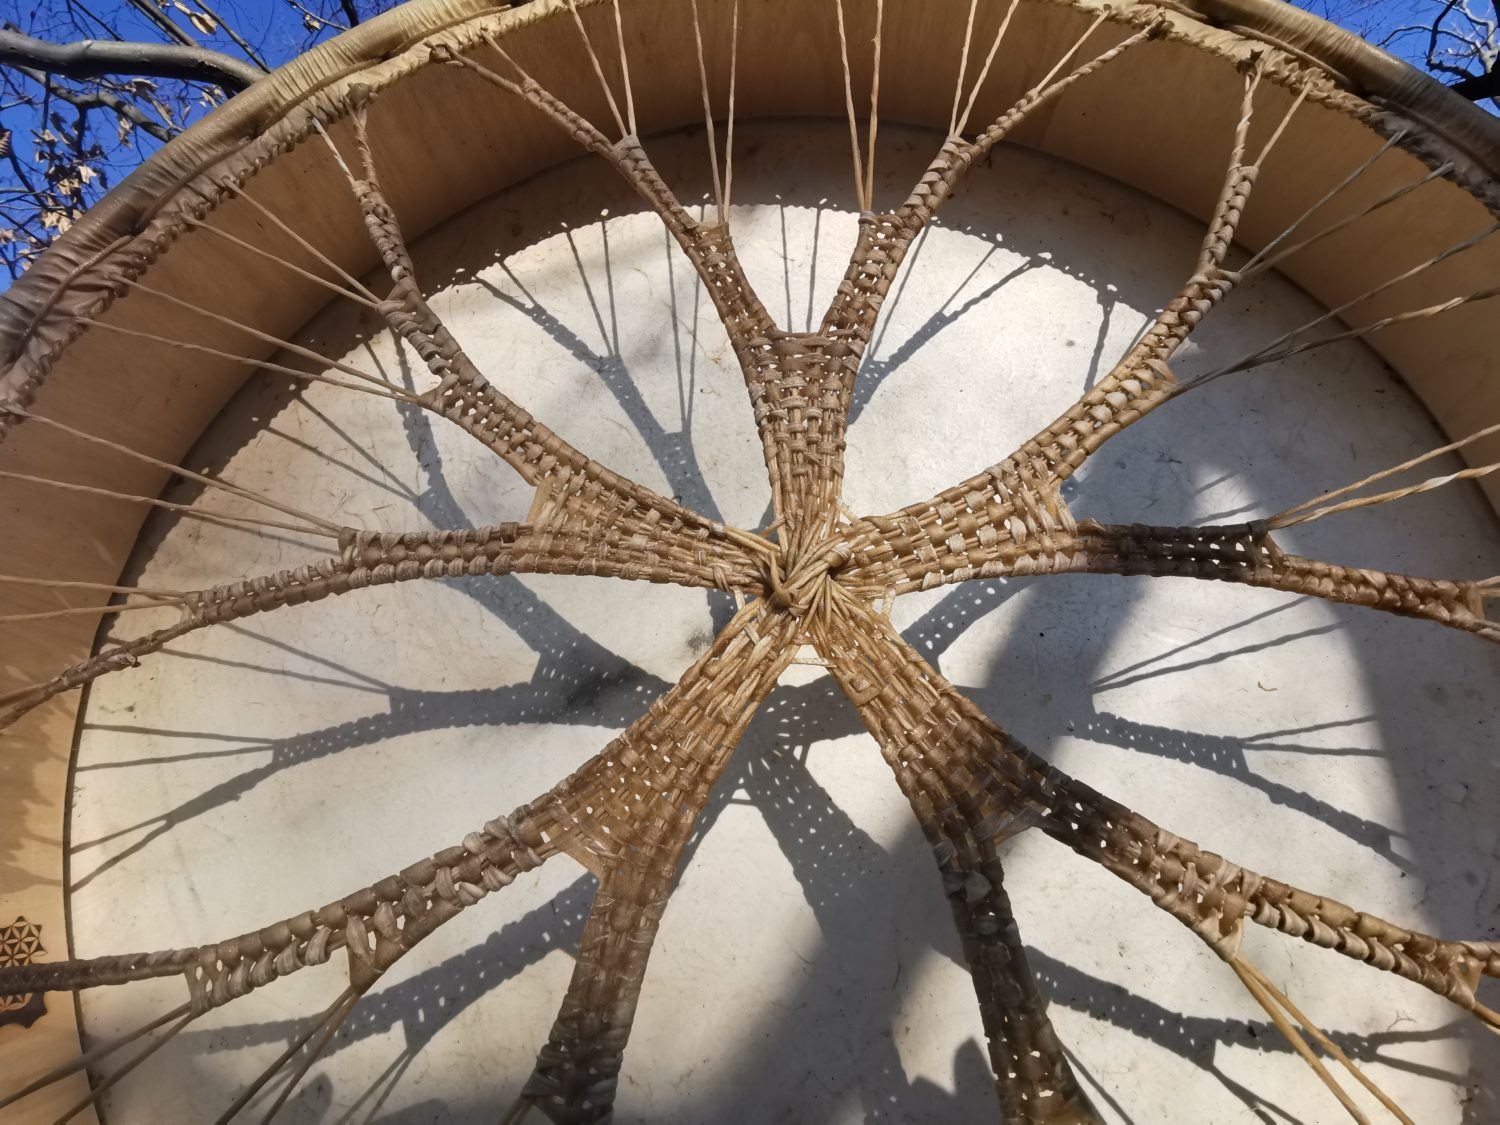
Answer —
807 581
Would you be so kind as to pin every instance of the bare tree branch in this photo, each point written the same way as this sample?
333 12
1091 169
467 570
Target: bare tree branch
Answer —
228 29
93 58
101 99
312 21
1437 29
163 21
1478 86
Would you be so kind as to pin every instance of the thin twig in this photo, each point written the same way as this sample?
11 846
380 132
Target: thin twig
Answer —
625 70
395 395
1401 468
1333 191
281 224
98 1091
265 337
1284 520
332 286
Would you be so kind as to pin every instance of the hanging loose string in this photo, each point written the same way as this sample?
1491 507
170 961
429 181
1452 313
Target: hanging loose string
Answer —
313 1053
708 116
1269 354
281 1060
963 67
265 337
1327 1044
598 68
1266 263
1286 520
349 279
59 584
984 71
331 286
89 1058
98 1091
1263 998
734 69
1333 191
186 509
396 395
874 109
206 481
859 175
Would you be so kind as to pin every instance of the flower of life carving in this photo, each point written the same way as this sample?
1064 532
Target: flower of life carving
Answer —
21 944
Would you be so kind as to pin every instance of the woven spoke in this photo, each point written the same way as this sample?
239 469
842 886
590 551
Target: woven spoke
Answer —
655 780
607 549
1211 895
377 925
626 814
1029 478
809 381
965 827
629 813
905 558
792 378
573 491
885 238
1143 380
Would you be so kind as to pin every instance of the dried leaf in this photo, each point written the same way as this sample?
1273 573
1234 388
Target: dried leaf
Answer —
205 23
